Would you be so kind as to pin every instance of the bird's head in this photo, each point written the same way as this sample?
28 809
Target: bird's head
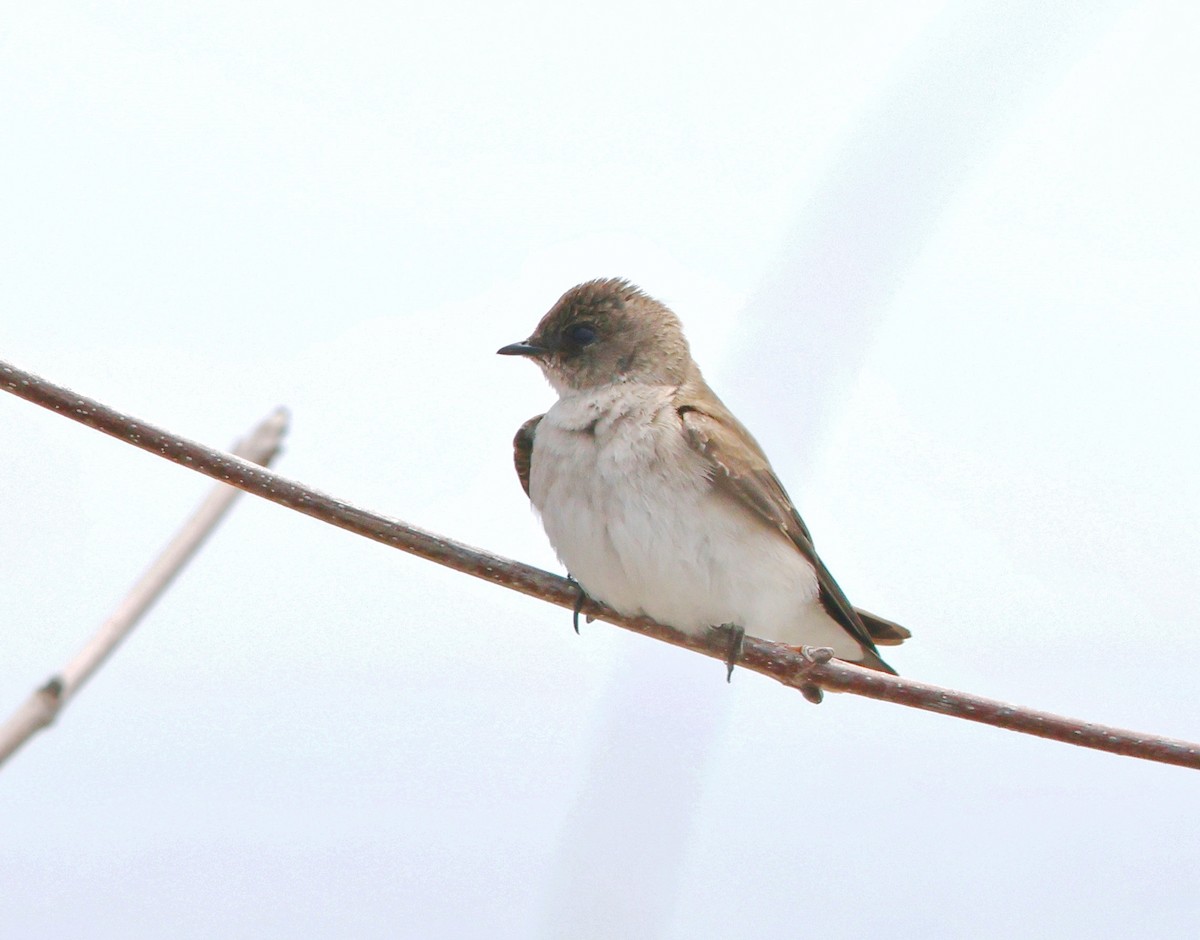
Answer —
604 332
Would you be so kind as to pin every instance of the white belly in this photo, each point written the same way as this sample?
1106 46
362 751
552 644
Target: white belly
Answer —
631 514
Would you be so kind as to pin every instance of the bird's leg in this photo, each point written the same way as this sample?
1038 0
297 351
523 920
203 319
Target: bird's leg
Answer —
733 648
580 598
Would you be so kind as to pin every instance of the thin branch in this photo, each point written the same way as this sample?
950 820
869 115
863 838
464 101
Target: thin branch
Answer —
797 668
45 705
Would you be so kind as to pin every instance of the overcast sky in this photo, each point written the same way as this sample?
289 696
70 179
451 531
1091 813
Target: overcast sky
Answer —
940 257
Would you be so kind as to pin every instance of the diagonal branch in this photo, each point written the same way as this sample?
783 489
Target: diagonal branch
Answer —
45 704
796 668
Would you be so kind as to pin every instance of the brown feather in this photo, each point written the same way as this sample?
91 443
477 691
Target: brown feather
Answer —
883 632
523 450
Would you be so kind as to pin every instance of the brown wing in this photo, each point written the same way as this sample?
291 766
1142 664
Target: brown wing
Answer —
745 474
523 450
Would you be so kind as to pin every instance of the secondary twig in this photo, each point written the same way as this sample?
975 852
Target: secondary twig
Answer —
45 704
789 666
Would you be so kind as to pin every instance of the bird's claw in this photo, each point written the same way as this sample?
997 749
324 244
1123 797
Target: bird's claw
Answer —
815 656
733 647
580 599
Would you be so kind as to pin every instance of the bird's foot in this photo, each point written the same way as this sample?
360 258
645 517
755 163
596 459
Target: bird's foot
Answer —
581 598
816 656
733 646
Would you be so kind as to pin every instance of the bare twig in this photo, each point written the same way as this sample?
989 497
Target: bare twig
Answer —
798 668
44 705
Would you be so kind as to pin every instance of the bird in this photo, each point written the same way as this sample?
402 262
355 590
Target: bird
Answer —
657 500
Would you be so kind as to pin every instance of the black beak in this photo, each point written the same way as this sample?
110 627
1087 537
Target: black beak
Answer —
524 348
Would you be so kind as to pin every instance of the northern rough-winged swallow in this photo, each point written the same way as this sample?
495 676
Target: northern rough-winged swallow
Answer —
656 498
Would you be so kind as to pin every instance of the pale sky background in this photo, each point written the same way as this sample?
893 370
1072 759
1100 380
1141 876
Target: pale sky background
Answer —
941 257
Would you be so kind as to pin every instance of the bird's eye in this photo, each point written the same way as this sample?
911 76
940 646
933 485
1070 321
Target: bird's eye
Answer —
581 334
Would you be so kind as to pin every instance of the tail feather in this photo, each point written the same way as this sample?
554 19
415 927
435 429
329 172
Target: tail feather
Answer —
883 632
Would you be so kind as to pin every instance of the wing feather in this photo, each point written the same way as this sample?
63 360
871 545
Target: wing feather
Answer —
523 450
745 475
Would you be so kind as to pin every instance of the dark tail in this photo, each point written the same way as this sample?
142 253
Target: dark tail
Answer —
883 632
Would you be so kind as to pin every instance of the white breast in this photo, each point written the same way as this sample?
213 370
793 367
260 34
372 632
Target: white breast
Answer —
631 513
